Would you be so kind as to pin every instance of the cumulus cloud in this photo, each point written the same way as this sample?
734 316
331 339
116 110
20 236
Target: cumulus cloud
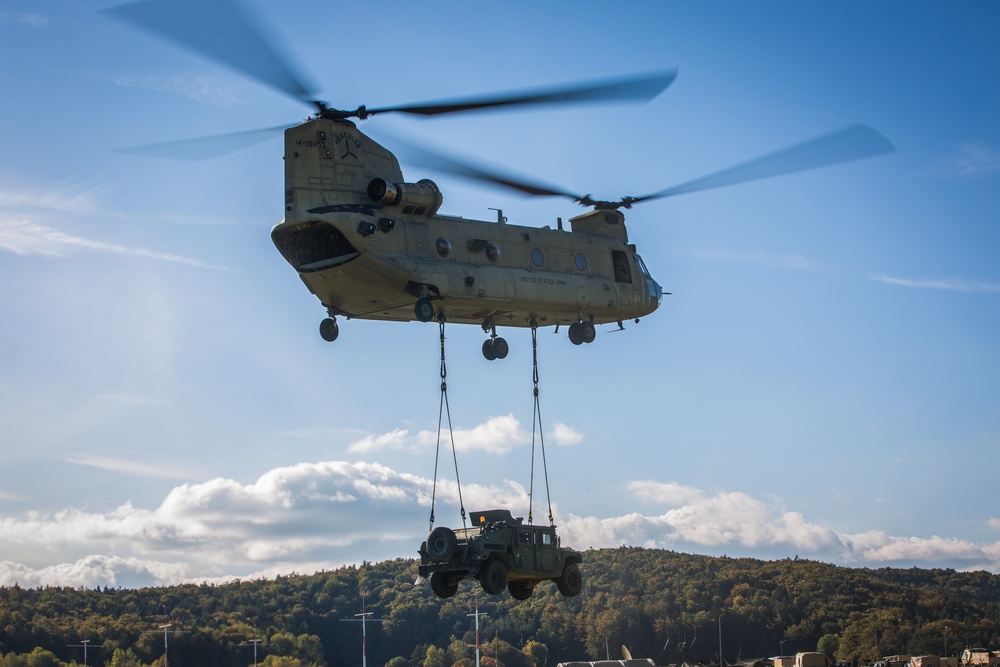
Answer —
314 516
564 434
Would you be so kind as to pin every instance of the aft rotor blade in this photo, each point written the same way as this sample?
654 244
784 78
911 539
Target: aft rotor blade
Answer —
205 148
429 159
851 143
640 89
221 31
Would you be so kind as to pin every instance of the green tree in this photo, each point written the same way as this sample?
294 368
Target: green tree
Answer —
42 658
436 657
828 644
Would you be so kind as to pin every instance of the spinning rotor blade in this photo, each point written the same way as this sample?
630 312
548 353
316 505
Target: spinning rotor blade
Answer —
425 157
205 148
221 31
851 143
642 89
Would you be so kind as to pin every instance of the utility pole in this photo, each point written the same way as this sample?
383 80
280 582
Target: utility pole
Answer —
364 634
255 643
477 615
83 644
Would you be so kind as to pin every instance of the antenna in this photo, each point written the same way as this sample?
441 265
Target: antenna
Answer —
364 635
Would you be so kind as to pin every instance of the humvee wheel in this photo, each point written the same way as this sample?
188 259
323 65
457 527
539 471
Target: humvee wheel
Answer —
493 577
520 589
441 543
443 585
570 582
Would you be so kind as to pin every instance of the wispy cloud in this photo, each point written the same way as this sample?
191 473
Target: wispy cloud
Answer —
315 516
32 19
973 159
198 88
948 284
135 468
23 237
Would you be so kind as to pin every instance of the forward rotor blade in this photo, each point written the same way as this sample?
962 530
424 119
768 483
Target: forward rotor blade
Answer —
205 148
428 159
640 89
851 143
221 31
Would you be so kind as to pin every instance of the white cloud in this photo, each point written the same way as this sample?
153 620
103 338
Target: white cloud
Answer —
130 467
565 434
198 88
314 516
787 261
32 19
497 435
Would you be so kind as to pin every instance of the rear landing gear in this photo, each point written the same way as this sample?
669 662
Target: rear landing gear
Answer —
495 347
582 332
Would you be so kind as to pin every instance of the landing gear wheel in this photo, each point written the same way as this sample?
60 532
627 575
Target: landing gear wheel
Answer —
575 333
424 310
494 577
441 544
500 348
588 332
570 582
444 585
488 350
329 329
520 589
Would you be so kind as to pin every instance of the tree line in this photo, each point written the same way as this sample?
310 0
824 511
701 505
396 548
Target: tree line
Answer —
664 605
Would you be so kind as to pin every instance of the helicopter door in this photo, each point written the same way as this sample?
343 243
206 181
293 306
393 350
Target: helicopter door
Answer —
623 272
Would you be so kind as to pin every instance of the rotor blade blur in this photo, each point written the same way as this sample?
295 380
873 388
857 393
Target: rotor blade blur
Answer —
428 159
851 143
640 89
223 32
205 148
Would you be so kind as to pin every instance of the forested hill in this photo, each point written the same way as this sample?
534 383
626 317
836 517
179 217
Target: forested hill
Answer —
661 604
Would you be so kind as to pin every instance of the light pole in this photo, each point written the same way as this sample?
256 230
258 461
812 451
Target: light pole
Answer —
782 647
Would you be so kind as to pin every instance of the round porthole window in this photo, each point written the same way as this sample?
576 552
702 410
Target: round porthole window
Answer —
443 247
492 252
537 258
581 262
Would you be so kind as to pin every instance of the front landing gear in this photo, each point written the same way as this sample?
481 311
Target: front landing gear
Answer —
495 347
329 329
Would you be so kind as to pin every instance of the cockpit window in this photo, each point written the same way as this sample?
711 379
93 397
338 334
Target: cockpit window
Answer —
642 266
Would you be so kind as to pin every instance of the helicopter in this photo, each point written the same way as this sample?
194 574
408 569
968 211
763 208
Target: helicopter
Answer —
371 245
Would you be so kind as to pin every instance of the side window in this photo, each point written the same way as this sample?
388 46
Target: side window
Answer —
623 274
547 539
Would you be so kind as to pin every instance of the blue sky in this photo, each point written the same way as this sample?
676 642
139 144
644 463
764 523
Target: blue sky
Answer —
823 381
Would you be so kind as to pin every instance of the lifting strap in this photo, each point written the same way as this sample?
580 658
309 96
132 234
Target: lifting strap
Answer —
442 409
536 425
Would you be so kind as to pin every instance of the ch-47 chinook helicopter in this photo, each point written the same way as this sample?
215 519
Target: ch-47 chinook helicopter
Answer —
372 245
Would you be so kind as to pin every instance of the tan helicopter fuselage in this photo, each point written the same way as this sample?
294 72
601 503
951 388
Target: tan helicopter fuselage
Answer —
369 246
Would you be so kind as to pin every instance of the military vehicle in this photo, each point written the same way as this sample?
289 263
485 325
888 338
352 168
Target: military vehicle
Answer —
501 552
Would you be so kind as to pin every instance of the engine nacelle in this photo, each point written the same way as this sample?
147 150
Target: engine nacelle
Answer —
420 198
